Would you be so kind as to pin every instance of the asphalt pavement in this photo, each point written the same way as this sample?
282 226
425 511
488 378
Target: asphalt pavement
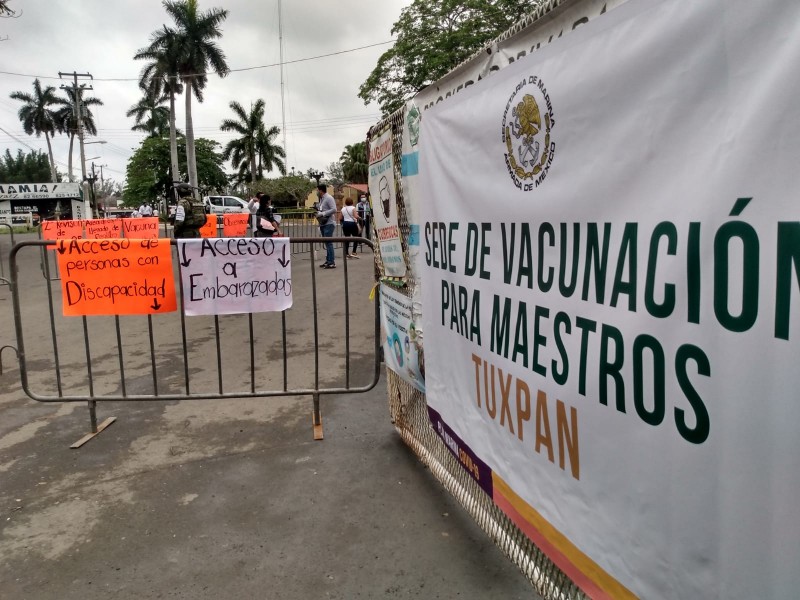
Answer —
224 498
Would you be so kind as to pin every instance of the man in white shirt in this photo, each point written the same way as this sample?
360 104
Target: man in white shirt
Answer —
253 205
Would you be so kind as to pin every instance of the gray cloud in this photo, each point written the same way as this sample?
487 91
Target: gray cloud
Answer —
323 113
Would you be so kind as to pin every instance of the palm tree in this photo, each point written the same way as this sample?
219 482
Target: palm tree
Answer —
255 150
195 33
150 115
242 151
270 154
38 117
354 162
67 121
160 77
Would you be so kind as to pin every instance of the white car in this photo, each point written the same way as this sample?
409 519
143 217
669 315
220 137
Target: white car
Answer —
218 205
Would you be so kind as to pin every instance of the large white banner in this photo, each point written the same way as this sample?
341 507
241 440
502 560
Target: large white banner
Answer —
610 243
222 276
557 23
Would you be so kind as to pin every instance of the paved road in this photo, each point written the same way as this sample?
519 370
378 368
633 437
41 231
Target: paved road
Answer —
223 499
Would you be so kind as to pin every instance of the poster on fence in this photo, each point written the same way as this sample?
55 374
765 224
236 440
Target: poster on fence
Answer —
235 224
209 229
140 227
610 240
384 204
223 276
116 277
401 348
97 229
62 230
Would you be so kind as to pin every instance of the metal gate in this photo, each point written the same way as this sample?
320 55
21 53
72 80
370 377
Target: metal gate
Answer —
327 343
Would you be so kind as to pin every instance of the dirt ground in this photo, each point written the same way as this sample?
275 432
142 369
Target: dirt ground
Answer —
226 498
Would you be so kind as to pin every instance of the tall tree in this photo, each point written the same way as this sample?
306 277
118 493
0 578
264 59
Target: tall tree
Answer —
195 33
67 121
336 174
433 37
38 117
160 76
33 167
354 162
243 151
149 172
150 115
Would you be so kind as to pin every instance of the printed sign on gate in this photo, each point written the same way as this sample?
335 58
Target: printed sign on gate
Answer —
62 230
141 228
103 229
116 277
235 275
235 224
401 346
209 230
384 204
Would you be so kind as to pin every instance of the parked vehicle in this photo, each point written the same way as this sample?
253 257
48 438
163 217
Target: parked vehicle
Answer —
218 205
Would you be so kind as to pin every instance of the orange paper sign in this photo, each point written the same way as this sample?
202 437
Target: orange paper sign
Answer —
116 277
141 228
103 228
235 224
62 230
209 230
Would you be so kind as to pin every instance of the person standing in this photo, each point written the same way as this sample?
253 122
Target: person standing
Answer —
350 226
189 216
266 224
325 217
253 205
363 212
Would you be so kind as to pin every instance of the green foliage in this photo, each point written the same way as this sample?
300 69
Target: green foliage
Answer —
289 190
148 172
150 115
67 122
190 52
255 151
39 117
336 174
33 167
433 37
197 52
354 163
37 114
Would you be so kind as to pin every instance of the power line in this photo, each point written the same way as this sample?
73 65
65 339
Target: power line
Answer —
277 64
27 145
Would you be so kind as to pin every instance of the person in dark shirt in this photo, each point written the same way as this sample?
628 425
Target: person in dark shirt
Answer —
266 224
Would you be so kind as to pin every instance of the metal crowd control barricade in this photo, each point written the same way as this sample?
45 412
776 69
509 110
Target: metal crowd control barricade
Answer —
148 369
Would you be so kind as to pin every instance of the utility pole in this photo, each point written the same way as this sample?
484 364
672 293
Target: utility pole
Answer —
283 105
77 90
92 179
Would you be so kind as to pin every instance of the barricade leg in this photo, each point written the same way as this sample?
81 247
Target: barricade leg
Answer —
96 430
317 420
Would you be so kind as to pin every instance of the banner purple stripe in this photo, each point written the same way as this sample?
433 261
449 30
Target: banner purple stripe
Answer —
473 465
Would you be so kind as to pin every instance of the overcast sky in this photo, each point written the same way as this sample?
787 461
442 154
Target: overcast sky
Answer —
322 110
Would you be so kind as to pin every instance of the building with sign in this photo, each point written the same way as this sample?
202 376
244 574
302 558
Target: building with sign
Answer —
48 201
